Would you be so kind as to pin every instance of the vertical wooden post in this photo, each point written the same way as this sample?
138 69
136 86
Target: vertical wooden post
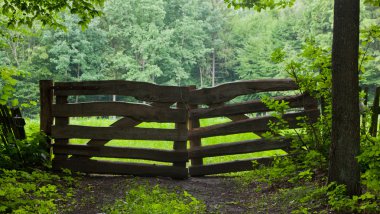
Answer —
46 102
375 114
180 145
61 121
195 142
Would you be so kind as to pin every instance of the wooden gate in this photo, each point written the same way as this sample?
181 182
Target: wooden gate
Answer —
183 106
160 109
215 98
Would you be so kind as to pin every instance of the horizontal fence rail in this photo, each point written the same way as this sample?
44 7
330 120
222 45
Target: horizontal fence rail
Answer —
141 112
139 90
182 106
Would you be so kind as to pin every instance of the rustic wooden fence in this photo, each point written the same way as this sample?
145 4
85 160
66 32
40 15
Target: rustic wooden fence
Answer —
215 98
161 99
184 106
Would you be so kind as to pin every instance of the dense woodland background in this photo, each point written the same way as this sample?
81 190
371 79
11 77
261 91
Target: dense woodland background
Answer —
176 42
202 43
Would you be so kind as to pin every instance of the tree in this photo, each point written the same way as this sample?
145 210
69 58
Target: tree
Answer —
26 12
343 166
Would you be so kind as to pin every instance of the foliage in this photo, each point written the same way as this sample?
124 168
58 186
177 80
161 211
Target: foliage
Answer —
312 72
32 152
7 83
26 12
145 199
32 192
173 45
259 4
370 163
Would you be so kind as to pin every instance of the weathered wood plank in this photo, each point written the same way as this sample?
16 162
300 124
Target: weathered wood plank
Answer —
140 90
108 133
249 107
121 168
61 121
46 101
181 146
121 152
234 166
259 124
239 147
140 112
195 142
228 91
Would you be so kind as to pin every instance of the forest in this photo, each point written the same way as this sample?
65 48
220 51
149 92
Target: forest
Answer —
200 44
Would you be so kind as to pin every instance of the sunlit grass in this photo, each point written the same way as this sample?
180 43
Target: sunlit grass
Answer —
166 145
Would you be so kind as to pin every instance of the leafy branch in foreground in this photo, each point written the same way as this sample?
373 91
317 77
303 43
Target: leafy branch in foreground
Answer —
26 12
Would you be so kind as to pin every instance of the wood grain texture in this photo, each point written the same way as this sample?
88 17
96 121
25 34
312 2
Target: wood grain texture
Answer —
46 101
121 168
228 91
181 146
135 111
250 107
117 133
140 90
61 121
259 124
234 166
239 147
121 152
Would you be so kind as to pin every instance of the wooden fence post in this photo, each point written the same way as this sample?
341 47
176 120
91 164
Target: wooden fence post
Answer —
180 145
195 142
375 113
46 101
61 121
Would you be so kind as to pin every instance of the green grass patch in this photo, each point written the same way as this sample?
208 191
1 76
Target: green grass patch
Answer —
144 199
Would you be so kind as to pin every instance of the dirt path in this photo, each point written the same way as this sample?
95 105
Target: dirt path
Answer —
221 194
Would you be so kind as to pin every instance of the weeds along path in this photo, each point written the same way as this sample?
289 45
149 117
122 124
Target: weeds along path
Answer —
220 194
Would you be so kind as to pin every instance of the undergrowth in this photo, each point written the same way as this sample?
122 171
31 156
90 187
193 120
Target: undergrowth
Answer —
144 199
299 181
34 192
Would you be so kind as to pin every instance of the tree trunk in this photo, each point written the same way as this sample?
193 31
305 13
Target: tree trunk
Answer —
213 69
343 167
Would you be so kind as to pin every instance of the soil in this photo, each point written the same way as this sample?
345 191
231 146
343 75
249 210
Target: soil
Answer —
220 194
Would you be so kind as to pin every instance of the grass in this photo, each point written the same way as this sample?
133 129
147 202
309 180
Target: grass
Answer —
144 199
167 145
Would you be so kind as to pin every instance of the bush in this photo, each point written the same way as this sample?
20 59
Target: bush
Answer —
32 152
